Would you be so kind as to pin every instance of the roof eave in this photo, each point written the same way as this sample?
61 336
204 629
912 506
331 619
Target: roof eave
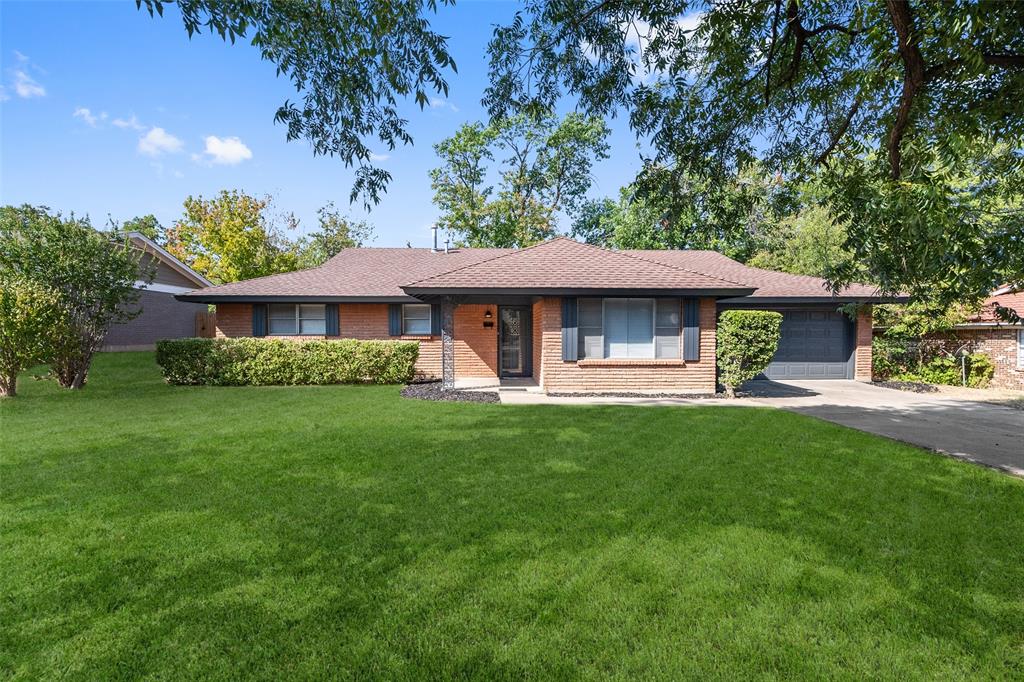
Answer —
776 300
455 292
199 297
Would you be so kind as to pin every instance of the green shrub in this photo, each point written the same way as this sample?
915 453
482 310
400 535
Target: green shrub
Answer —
747 340
891 358
265 362
949 371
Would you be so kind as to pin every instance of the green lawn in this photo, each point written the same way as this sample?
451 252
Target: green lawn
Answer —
286 533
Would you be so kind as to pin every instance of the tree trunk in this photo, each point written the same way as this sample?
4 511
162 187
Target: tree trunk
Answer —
730 391
8 385
81 374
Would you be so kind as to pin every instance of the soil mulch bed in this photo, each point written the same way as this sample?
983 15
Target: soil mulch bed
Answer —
912 386
432 391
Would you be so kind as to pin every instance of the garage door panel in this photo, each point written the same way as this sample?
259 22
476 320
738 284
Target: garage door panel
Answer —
814 344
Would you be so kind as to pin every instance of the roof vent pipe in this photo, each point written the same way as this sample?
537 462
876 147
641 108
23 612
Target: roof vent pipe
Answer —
433 231
446 245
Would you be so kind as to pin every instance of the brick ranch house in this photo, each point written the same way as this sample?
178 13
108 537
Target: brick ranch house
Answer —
564 315
1000 341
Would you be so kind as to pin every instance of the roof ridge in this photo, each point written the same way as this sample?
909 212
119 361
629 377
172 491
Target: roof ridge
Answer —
513 252
274 274
822 280
675 267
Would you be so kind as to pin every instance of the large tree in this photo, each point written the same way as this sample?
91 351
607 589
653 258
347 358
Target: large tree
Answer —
738 217
92 274
335 232
351 62
504 184
147 225
893 102
232 236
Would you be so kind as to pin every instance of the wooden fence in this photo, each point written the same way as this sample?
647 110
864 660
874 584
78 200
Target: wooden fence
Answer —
206 324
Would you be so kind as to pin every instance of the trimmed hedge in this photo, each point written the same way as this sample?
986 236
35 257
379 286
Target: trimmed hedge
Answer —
267 362
747 340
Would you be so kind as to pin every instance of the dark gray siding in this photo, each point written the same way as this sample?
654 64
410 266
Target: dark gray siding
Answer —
162 318
165 274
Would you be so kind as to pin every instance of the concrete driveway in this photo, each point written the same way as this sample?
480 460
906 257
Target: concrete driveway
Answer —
981 432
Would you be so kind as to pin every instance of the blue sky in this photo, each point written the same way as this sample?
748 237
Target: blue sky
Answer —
106 111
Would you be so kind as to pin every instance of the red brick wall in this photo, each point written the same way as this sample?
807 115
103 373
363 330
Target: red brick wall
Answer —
1000 345
476 348
626 375
862 353
233 320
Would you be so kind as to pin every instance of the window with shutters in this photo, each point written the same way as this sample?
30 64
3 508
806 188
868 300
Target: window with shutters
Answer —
1020 349
631 328
416 319
288 319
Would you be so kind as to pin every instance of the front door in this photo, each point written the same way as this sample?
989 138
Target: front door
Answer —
514 348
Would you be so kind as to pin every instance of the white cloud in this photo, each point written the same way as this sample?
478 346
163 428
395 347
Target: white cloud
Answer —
379 157
158 141
227 151
87 116
132 123
441 103
3 94
26 87
20 57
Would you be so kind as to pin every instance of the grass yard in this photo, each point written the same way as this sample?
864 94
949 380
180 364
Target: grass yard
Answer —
288 533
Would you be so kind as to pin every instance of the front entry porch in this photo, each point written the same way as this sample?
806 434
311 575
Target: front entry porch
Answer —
488 343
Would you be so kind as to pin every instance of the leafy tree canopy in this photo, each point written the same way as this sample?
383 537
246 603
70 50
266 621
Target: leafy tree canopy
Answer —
897 104
336 232
147 225
29 314
737 217
351 63
92 274
231 237
541 166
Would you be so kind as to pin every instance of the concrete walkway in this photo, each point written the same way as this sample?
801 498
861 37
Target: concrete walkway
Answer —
988 434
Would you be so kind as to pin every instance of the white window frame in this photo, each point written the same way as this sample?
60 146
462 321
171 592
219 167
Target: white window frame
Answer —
656 303
430 319
1020 349
296 311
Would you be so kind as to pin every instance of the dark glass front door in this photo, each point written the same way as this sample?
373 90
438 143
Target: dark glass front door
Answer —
514 341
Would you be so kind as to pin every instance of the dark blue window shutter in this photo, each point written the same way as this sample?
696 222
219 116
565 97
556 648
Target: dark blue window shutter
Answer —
570 349
395 319
259 318
435 319
691 329
332 321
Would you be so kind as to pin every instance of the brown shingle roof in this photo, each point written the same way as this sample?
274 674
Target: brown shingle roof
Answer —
564 265
1014 300
770 284
367 273
385 274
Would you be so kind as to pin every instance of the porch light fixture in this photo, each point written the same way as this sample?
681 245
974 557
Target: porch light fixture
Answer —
488 315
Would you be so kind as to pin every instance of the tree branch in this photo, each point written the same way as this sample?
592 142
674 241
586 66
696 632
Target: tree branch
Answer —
840 131
913 78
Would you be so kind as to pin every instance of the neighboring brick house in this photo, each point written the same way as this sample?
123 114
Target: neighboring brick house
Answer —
1000 341
162 316
569 316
